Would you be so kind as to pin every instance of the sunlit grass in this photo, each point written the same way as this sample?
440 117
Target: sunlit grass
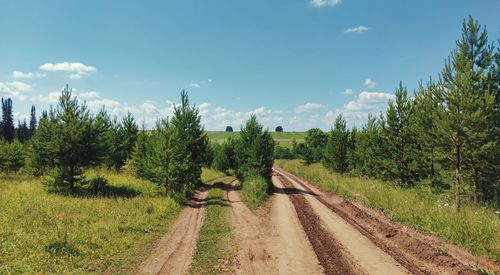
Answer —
215 248
50 233
254 191
476 228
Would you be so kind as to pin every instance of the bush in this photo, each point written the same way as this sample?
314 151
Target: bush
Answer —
98 186
254 191
283 153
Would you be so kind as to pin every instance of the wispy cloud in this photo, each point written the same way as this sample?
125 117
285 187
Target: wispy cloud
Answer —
77 70
19 74
370 83
198 84
359 29
324 3
307 107
347 92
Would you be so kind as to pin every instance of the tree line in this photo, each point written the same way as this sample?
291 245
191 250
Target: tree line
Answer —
445 136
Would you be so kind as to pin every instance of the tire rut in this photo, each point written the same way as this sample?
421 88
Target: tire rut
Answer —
328 251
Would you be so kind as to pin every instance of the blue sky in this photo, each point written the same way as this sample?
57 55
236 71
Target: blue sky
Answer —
296 63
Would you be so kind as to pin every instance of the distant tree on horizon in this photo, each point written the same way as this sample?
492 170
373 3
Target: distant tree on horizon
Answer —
279 129
229 129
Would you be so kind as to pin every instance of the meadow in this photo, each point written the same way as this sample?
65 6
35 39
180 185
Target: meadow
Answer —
282 138
475 228
51 233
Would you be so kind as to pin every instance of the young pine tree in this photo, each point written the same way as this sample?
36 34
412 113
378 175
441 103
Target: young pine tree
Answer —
254 151
399 135
466 107
337 147
33 121
187 145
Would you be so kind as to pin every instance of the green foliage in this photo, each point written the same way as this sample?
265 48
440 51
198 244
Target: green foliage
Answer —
8 129
254 191
279 129
315 143
12 156
68 141
399 135
174 153
254 151
224 158
281 152
337 147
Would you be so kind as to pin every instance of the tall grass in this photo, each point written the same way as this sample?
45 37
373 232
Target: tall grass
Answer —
476 228
254 191
50 233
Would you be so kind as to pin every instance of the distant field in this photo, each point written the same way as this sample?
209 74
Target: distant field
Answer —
284 139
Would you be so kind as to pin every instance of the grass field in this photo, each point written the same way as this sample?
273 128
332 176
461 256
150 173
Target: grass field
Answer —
284 139
50 233
215 248
476 228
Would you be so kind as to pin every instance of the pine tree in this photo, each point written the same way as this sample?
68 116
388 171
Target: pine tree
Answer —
337 147
22 131
315 142
399 135
33 121
370 149
466 106
66 142
254 151
351 152
7 120
187 145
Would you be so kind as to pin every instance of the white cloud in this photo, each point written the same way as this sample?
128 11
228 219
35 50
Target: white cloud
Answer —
359 29
307 107
14 90
347 92
52 97
324 3
194 85
370 83
19 86
149 107
19 74
365 103
78 70
91 94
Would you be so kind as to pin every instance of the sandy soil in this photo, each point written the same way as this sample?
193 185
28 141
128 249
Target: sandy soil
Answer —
251 234
289 243
415 251
362 253
174 252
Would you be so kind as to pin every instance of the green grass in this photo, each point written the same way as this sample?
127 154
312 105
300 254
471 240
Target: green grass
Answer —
475 228
284 139
254 192
50 233
215 248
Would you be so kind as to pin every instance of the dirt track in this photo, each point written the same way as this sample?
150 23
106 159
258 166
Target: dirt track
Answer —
303 230
173 253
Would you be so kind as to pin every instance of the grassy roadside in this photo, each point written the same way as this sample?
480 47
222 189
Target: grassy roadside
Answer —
254 192
50 233
476 228
215 248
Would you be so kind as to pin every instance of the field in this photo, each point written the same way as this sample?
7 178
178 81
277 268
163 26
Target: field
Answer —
49 233
476 228
284 138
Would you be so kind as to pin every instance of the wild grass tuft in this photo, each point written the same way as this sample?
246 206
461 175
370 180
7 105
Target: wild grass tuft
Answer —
254 191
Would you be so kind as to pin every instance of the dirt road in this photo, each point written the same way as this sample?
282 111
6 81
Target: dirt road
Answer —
377 245
303 230
173 253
